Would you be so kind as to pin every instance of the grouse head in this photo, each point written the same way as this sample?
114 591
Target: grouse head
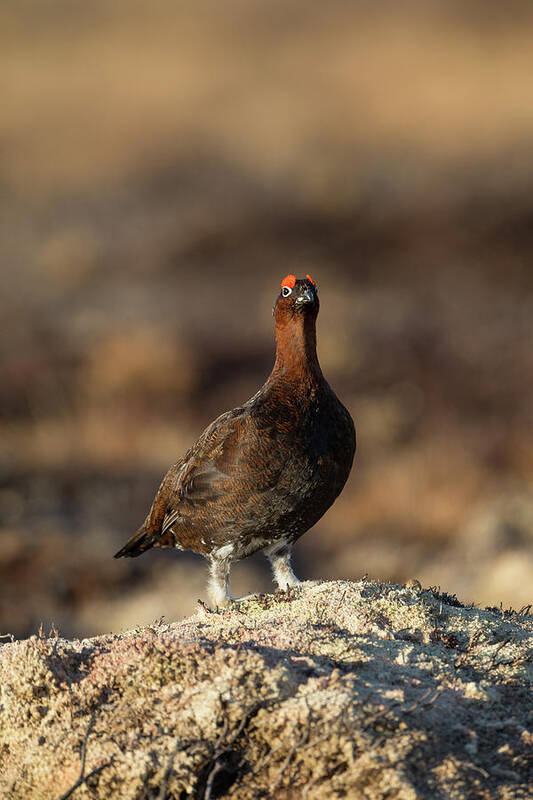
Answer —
298 297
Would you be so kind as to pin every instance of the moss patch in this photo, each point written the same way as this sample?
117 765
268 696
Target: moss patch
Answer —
332 690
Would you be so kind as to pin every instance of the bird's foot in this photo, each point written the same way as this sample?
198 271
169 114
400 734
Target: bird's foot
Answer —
226 603
220 604
245 597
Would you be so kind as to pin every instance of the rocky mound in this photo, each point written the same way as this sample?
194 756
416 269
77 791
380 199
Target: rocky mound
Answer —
359 690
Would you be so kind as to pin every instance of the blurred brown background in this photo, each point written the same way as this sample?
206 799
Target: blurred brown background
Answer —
162 166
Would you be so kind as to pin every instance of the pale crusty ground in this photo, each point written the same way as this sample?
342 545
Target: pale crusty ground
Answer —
339 689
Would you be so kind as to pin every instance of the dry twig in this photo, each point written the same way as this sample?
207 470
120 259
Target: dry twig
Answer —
168 771
96 771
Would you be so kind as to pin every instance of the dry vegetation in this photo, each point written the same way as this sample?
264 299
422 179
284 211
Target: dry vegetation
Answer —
162 166
331 690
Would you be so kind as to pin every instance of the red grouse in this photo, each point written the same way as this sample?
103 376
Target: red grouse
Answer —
261 475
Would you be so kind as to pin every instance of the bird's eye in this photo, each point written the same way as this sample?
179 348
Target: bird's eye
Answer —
286 291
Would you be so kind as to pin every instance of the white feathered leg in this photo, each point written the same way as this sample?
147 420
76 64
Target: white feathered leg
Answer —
218 587
281 567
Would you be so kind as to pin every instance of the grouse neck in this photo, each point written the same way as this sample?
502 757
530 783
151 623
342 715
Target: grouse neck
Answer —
296 350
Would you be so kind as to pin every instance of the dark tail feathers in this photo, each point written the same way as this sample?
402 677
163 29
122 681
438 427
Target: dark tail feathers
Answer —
139 543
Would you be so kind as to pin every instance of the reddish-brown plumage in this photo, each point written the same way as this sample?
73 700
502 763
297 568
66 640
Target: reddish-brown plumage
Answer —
261 475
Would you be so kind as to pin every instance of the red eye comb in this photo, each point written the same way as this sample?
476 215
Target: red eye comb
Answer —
290 281
309 278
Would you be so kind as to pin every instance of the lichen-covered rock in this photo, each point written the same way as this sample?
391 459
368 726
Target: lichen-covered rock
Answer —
358 690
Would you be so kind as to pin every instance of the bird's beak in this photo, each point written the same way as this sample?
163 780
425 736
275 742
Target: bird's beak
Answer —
306 297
